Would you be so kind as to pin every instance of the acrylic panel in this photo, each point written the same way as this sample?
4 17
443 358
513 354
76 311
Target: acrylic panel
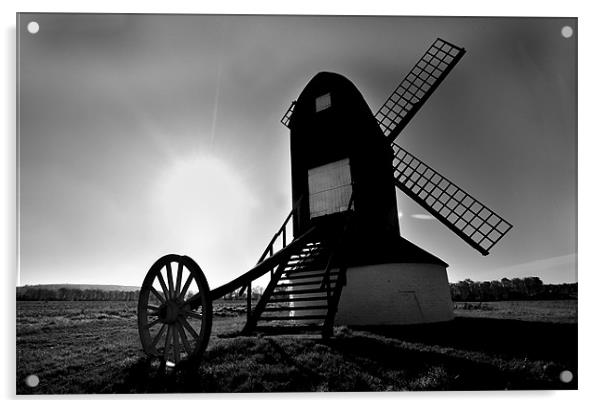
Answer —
167 230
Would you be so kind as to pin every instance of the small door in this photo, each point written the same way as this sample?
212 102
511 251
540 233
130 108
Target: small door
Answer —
329 188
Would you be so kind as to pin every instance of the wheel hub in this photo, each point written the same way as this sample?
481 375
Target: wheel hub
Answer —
170 311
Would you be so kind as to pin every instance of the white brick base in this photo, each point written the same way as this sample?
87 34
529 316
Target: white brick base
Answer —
393 294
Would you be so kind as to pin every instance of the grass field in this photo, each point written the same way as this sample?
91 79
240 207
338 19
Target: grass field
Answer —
93 347
551 311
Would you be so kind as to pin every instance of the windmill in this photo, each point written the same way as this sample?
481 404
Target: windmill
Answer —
340 153
346 262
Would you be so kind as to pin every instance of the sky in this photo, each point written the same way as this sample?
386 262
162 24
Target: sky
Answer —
141 135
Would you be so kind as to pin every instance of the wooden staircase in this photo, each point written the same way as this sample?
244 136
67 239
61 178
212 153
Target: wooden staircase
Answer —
302 295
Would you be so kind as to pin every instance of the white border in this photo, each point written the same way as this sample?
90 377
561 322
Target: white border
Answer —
589 197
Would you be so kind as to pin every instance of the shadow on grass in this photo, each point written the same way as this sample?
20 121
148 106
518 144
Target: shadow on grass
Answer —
242 365
465 354
507 338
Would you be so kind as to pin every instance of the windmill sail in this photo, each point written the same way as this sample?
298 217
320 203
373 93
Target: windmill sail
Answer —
476 224
286 119
417 86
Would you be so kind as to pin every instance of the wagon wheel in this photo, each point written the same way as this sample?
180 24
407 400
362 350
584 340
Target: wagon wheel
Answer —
169 326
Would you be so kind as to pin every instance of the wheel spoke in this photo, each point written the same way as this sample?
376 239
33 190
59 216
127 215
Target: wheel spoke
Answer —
188 327
157 294
158 336
176 346
163 286
151 324
185 288
184 339
179 278
170 280
167 341
152 307
195 315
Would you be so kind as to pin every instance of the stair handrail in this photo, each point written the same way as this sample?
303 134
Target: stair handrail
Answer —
261 268
281 231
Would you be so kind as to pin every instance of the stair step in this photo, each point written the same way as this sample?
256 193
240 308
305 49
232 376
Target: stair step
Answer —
308 255
308 265
306 317
315 247
309 252
295 276
297 300
305 260
289 308
316 269
301 292
306 269
304 283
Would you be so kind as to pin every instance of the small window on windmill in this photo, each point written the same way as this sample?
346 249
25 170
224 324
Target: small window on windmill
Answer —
329 188
323 102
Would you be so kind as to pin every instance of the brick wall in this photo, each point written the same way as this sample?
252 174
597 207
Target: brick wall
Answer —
389 294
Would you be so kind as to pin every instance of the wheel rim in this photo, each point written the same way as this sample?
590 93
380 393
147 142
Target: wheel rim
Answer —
169 328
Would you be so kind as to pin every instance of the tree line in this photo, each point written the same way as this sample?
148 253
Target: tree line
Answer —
530 288
74 294
36 293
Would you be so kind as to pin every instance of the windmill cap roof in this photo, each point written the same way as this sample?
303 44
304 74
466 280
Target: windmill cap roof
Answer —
394 250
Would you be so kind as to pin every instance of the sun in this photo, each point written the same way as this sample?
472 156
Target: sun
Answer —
200 189
204 209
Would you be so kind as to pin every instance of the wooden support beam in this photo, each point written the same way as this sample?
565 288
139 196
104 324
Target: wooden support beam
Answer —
263 301
333 303
249 294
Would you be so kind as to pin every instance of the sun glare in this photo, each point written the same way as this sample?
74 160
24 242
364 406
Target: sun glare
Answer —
205 210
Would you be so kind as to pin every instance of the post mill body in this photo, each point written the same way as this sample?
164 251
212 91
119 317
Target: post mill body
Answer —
338 151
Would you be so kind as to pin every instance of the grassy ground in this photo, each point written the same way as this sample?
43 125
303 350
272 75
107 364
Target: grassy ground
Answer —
93 347
551 311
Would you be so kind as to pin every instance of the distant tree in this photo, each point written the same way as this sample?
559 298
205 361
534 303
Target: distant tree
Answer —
464 289
519 290
62 294
455 291
533 286
485 291
497 290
